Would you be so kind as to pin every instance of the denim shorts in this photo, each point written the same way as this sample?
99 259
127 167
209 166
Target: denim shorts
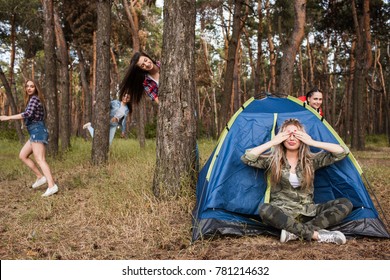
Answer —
38 132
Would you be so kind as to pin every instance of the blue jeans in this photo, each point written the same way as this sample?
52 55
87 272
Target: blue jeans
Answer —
113 127
38 132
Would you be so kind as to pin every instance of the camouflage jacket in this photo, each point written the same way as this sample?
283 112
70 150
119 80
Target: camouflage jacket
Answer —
293 201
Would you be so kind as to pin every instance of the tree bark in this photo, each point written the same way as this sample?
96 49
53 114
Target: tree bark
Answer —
132 17
176 125
363 63
291 48
14 110
100 144
50 88
231 60
259 62
87 93
63 84
271 47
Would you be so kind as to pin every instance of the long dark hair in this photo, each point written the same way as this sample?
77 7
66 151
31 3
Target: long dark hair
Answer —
313 90
133 80
127 103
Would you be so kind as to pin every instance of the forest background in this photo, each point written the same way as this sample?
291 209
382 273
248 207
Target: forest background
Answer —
242 48
333 46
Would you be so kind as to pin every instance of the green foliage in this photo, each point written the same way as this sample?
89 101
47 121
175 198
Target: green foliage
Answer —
27 22
109 212
7 131
150 129
377 141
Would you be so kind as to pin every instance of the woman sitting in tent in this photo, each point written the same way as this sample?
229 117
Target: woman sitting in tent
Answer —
291 166
314 99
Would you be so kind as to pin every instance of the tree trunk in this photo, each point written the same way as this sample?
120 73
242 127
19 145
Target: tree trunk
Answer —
363 63
231 60
350 82
115 75
12 56
291 48
133 19
141 123
176 125
100 144
236 83
386 101
14 110
300 71
259 63
50 88
87 94
63 84
271 47
311 64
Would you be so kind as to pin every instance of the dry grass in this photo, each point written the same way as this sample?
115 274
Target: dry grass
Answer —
110 212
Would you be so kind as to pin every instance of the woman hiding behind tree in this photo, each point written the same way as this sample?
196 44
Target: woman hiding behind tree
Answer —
141 77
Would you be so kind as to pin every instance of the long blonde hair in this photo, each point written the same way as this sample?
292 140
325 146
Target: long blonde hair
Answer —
304 155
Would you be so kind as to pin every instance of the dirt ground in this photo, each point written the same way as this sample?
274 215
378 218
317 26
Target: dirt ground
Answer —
71 229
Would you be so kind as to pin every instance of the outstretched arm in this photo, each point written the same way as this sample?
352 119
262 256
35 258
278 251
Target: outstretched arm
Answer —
13 117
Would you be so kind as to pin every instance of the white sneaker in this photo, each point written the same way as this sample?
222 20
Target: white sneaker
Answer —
331 237
287 236
39 182
85 126
51 191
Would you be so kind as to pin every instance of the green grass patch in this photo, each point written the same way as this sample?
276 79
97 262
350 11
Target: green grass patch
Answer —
110 212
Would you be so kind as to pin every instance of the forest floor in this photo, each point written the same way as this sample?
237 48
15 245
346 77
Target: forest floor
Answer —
110 213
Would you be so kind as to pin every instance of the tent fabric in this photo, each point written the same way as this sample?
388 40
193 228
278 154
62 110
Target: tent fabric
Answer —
229 193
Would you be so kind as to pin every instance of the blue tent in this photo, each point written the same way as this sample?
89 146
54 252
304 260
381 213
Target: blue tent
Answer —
228 192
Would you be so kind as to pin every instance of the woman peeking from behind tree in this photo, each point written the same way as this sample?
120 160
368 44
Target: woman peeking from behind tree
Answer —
141 77
33 117
291 167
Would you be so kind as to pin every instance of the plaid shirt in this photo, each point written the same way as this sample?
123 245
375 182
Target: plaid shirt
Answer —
34 110
151 86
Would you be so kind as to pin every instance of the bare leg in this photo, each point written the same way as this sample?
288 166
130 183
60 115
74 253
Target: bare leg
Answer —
39 155
24 156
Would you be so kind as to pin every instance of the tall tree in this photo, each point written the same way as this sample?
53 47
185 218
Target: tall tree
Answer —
290 49
133 19
176 125
363 56
50 86
100 145
271 48
63 84
231 61
259 64
14 111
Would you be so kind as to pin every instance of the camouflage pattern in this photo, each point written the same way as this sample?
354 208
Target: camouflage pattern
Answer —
327 214
293 201
293 209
